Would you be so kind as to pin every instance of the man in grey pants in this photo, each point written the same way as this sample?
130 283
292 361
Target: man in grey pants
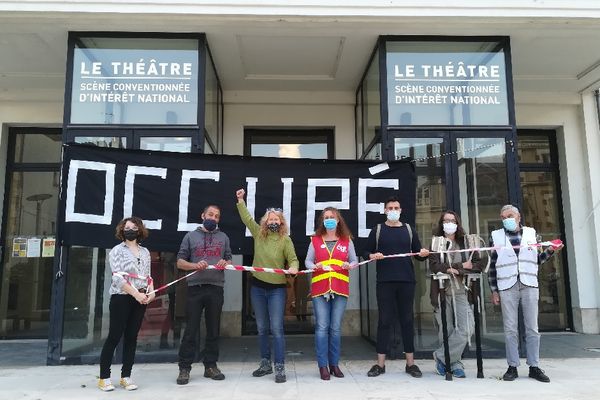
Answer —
513 279
205 246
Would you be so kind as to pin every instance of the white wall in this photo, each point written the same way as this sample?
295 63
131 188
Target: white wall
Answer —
575 178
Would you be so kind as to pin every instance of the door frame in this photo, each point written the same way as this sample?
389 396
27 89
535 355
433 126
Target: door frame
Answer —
11 167
554 167
280 135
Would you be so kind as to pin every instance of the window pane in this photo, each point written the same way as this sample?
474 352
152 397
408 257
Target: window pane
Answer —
86 318
135 81
37 148
446 83
207 148
483 186
541 211
27 272
291 150
211 104
534 149
359 125
374 153
100 141
430 201
175 144
372 99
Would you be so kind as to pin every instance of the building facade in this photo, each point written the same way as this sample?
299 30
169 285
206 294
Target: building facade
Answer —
303 79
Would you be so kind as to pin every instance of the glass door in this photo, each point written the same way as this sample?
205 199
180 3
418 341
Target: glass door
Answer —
542 209
482 179
469 172
29 226
427 152
287 143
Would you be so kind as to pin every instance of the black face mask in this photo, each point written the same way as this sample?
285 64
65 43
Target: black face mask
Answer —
274 227
130 234
209 224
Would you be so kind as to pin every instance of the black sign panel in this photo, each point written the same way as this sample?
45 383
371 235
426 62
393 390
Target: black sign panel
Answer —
170 190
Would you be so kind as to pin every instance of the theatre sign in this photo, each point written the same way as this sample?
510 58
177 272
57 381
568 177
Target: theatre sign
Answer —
462 85
135 84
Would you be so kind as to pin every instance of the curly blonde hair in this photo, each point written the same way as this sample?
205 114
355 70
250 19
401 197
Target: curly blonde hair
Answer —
264 230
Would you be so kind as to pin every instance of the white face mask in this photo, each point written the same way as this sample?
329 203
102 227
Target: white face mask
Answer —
450 228
393 215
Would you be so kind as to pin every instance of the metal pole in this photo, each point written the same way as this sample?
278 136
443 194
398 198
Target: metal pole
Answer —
474 285
441 280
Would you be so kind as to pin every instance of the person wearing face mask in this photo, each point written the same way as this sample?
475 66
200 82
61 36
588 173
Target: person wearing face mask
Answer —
273 248
395 284
331 246
207 245
513 279
130 266
457 265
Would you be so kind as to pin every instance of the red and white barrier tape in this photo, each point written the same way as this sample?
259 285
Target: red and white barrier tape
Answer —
552 243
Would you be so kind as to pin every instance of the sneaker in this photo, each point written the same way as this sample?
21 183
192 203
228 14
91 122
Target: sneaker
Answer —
511 374
280 373
376 370
105 385
458 370
184 377
538 375
127 384
213 373
413 371
440 368
264 368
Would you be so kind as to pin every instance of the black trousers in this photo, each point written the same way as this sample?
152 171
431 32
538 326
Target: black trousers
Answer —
395 301
207 298
126 316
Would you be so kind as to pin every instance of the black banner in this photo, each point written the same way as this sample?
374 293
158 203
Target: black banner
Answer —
170 190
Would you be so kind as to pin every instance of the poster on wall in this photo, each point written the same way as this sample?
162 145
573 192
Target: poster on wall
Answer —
134 86
33 247
169 191
19 248
457 88
48 245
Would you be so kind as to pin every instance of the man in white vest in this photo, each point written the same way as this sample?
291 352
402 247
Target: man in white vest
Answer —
513 279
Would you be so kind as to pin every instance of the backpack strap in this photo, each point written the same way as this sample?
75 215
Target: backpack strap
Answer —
410 234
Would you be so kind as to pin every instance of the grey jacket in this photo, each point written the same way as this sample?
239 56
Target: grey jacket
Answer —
211 247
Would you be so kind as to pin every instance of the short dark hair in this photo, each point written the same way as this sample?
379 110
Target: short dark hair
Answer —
213 206
391 200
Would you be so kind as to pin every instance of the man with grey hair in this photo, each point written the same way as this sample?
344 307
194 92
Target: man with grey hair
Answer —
513 279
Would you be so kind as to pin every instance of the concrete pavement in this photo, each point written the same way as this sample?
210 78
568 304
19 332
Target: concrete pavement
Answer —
573 378
572 361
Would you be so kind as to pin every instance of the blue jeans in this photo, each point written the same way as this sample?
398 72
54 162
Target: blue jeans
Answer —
269 307
328 328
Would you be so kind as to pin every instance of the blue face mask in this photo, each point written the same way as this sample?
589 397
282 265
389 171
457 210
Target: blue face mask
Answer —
393 215
510 224
209 224
330 223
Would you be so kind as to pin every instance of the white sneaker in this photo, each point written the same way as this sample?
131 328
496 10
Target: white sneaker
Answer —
105 385
127 384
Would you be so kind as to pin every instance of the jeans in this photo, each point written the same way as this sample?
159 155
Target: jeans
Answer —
395 300
509 301
458 334
126 316
328 324
207 298
269 307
